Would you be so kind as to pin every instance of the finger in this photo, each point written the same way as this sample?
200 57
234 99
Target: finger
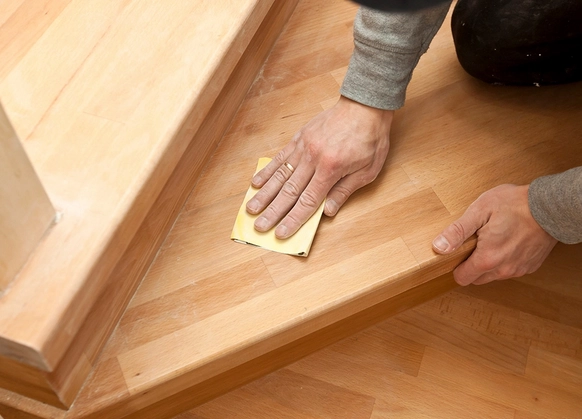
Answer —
271 188
464 280
485 279
460 230
306 205
263 175
341 191
472 269
286 197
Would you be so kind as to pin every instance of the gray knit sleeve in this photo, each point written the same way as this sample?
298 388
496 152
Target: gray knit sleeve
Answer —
556 204
387 47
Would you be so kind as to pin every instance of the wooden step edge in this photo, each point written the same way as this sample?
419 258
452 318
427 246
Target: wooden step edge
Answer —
189 386
60 387
269 362
174 397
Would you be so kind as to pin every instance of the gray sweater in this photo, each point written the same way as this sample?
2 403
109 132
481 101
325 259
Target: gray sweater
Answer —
387 49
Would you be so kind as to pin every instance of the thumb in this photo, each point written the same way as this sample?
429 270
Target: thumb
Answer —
460 230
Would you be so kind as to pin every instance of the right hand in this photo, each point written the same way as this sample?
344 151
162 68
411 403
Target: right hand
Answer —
333 155
510 242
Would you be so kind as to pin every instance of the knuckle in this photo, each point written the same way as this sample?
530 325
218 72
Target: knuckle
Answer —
280 176
291 219
270 212
531 269
458 230
290 189
521 271
297 136
486 264
313 149
368 177
308 200
506 272
332 167
331 162
343 192
262 197
280 157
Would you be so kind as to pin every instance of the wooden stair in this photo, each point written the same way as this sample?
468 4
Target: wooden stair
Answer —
212 314
119 105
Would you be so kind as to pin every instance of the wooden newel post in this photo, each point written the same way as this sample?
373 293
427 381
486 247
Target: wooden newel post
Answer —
25 210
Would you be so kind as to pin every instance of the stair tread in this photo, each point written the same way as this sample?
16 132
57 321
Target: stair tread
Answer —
208 305
100 95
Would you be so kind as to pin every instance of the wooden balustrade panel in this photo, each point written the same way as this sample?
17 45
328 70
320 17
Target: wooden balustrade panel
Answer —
25 209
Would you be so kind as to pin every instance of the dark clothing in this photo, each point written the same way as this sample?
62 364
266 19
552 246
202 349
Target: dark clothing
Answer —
519 42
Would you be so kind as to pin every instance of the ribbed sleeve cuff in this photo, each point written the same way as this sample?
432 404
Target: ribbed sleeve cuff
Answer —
555 203
387 47
378 80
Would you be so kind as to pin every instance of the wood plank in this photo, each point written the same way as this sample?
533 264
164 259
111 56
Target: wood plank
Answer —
29 19
102 213
25 210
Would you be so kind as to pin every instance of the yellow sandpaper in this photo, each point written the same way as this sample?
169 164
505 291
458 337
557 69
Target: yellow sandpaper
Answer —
297 245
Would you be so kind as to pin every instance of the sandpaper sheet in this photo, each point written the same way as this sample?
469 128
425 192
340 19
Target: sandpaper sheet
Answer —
244 232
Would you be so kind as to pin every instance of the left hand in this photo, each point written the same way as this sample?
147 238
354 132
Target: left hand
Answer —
339 151
510 243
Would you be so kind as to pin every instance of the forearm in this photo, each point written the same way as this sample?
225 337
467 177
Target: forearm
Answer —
387 47
556 204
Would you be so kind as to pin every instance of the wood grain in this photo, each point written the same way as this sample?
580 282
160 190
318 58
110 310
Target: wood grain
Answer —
61 385
211 314
25 210
457 356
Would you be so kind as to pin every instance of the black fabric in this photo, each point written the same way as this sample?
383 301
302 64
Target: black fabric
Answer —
399 5
519 42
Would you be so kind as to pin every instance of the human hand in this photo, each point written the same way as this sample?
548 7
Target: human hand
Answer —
510 243
333 155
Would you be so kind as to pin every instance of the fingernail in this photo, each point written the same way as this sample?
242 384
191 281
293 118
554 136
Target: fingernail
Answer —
331 207
281 231
261 224
441 243
252 206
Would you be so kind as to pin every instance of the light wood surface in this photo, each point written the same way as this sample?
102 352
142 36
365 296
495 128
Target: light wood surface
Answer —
124 123
25 210
506 350
209 308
